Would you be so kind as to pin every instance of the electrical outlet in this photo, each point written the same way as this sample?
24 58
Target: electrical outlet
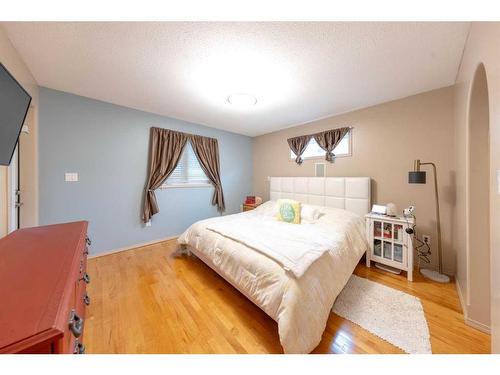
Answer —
426 239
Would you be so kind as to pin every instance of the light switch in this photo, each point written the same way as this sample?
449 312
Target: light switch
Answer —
71 177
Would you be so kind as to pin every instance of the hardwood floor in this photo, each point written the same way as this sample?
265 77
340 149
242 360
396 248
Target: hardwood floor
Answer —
148 300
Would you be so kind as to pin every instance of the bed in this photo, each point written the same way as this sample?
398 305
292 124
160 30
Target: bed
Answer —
261 257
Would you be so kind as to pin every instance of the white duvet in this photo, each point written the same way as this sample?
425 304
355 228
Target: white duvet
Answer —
294 247
298 299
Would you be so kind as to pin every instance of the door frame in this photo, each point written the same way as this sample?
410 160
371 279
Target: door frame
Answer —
13 196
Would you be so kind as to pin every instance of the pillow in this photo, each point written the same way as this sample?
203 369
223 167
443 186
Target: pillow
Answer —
309 213
269 208
289 211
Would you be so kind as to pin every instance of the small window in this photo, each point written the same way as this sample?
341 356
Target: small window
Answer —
188 172
314 151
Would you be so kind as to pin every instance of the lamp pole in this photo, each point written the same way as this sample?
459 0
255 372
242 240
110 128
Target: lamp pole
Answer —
438 216
418 177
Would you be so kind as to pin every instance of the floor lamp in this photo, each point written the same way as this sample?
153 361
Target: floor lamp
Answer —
419 177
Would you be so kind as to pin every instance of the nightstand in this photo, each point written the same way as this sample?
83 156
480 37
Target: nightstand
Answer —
389 242
249 207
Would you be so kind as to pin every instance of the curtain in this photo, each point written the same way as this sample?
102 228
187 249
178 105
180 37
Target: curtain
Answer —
165 151
329 140
298 146
207 152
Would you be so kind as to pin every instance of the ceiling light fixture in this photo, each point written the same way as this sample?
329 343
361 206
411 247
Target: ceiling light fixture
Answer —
242 100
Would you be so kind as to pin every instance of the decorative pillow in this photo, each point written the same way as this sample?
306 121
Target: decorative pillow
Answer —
289 211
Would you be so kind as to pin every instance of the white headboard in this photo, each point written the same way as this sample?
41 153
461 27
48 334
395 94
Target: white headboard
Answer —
350 193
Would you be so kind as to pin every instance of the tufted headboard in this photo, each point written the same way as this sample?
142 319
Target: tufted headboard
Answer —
350 193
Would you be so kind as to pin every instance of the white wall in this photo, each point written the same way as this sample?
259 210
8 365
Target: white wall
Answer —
29 169
481 47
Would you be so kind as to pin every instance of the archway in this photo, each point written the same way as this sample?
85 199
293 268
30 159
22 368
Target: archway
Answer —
478 201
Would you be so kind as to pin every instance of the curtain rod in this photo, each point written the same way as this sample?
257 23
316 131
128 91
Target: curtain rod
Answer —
187 134
323 131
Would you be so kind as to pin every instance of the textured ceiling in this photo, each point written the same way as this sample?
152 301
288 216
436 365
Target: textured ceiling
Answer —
299 72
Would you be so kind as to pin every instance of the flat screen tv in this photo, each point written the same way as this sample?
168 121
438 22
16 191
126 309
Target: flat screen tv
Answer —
14 105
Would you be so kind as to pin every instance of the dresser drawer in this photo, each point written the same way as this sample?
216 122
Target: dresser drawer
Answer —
35 316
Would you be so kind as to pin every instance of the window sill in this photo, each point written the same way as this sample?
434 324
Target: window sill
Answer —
183 186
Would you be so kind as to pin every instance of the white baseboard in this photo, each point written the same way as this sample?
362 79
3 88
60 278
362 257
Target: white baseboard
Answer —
132 247
470 322
477 325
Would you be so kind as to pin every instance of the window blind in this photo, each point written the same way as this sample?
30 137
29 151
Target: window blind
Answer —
188 171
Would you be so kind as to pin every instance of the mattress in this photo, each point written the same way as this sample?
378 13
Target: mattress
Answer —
300 305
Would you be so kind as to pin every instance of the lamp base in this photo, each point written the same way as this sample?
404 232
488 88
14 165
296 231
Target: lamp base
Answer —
434 275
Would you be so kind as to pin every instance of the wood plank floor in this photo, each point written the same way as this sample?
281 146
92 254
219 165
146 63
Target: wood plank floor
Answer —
149 300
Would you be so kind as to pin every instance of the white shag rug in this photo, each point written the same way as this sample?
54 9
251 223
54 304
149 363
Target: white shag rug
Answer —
392 315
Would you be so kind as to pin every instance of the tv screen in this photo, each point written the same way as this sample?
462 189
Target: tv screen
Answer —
14 104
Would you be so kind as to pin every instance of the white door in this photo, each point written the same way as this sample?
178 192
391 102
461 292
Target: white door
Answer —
14 204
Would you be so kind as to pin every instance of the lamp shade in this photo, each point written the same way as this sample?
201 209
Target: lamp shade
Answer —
418 177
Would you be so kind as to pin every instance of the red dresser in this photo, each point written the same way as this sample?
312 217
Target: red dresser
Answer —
43 289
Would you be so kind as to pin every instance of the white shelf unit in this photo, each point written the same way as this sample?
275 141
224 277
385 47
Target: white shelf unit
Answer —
390 244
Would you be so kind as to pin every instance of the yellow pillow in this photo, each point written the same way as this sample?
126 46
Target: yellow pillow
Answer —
289 211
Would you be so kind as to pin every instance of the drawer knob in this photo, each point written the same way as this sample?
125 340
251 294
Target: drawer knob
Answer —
86 278
86 299
86 251
75 324
79 348
88 241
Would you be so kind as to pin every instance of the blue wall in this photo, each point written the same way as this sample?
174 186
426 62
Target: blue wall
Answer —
107 145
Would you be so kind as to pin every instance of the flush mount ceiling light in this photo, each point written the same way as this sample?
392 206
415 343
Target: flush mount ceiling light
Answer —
242 100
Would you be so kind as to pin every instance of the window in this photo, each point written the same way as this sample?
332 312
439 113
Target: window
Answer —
314 151
188 172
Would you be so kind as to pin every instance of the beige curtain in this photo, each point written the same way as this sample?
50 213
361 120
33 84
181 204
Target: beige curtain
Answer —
207 152
329 139
165 150
298 146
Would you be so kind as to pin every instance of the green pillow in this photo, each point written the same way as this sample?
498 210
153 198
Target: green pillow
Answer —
289 211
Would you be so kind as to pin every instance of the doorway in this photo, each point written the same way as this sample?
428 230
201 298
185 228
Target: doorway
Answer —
478 201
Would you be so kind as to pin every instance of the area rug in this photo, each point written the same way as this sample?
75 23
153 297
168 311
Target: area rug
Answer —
394 316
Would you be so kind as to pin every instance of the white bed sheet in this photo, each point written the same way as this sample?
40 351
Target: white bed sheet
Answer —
300 306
